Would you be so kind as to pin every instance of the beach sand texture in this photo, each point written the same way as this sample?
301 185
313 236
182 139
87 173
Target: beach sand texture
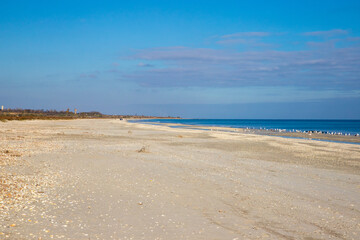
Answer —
110 179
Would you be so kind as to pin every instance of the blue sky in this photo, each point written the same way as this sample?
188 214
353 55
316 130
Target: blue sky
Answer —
203 59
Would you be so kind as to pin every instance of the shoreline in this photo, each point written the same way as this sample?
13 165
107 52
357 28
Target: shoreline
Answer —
310 135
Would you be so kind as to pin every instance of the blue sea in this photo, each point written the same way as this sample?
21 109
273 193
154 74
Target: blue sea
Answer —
351 127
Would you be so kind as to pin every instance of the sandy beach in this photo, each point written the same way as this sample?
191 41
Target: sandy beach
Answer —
111 179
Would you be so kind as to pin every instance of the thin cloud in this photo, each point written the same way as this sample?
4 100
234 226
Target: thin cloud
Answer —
249 39
246 34
233 41
315 68
91 75
181 53
250 43
145 65
353 39
323 44
329 33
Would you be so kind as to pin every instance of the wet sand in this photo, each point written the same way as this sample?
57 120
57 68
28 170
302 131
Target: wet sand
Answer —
110 179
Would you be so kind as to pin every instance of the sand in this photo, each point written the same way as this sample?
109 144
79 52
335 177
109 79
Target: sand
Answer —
110 179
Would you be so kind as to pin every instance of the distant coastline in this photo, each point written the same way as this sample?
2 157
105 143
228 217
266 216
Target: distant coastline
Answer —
33 114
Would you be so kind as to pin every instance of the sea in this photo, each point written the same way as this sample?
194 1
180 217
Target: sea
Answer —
343 127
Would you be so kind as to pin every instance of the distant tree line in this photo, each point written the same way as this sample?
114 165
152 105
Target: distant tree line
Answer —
29 114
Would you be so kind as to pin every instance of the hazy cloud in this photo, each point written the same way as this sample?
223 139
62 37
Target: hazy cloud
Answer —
246 34
326 64
353 39
89 75
245 38
141 64
329 33
325 67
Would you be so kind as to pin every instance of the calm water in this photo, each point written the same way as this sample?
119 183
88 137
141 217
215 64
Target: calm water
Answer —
343 126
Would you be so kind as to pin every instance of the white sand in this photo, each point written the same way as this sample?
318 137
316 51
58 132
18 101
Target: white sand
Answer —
85 179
